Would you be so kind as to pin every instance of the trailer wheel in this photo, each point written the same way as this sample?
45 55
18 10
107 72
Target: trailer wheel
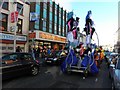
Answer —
86 73
68 70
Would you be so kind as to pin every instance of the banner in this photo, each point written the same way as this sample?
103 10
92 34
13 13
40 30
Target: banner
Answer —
14 16
34 16
70 15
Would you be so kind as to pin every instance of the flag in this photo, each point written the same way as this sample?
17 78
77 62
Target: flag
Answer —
70 15
34 16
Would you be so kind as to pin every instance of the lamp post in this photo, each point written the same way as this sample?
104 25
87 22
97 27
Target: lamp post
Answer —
16 19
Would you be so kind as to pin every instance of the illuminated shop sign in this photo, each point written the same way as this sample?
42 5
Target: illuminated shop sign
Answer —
51 37
11 37
32 35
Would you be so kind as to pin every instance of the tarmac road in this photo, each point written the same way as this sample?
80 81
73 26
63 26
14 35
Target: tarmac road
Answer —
52 77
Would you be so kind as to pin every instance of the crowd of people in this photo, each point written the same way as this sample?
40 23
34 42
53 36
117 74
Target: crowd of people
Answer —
40 52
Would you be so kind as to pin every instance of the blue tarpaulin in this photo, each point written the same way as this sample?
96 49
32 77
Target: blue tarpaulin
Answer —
71 59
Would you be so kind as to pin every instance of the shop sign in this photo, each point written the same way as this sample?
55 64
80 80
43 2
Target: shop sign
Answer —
46 36
51 37
11 37
32 35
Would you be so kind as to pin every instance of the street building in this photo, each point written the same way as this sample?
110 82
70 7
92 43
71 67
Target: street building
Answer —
14 14
32 24
117 45
48 26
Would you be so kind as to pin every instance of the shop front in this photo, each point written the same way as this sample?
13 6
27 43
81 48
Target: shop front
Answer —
7 43
47 40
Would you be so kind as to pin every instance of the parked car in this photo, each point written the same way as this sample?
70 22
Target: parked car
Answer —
110 57
114 72
56 58
15 64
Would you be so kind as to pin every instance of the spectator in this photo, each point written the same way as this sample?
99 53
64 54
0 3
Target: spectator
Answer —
18 49
38 52
48 51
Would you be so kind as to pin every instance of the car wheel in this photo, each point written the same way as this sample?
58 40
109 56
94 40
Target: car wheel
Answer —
86 73
34 70
68 70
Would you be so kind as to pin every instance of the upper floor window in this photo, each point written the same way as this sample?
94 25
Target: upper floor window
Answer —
55 28
63 23
4 5
37 8
59 10
38 3
59 21
50 27
44 25
56 6
55 11
45 5
19 24
38 12
20 8
44 13
50 16
50 8
37 24
51 2
55 19
59 29
3 21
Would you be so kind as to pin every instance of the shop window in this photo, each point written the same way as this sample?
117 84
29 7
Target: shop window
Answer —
20 8
19 24
3 22
5 5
